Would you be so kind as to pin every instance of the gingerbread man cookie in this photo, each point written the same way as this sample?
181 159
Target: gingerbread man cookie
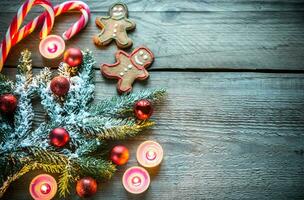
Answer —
115 27
128 68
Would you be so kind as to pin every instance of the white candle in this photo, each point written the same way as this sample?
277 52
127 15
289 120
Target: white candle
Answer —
136 180
52 47
149 154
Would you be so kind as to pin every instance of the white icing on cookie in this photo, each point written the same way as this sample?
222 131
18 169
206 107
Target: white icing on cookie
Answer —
137 60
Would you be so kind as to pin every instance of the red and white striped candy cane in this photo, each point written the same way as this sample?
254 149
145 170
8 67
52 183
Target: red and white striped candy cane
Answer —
60 9
10 38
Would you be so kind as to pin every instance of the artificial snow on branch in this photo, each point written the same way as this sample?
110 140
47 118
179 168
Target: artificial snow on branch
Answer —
89 125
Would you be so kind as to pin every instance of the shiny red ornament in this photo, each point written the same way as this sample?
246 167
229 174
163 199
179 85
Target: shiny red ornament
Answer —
8 103
73 57
86 187
60 85
120 155
59 137
143 109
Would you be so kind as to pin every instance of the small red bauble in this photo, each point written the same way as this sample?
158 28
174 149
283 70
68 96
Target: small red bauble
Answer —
73 57
8 103
86 187
120 155
143 109
59 137
60 85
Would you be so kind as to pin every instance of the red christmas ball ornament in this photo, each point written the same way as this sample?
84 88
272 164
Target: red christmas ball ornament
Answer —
8 103
120 155
143 109
59 137
60 85
73 57
86 187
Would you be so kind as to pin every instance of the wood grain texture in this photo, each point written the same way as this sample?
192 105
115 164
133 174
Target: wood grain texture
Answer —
225 136
181 5
197 40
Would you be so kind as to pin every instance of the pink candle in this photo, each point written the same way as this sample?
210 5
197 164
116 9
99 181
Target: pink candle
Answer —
149 154
52 47
43 187
136 180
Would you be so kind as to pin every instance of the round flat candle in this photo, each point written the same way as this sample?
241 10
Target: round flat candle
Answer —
43 187
149 154
136 180
52 47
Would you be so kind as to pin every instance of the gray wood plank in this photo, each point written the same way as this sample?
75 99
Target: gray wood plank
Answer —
225 136
200 40
181 5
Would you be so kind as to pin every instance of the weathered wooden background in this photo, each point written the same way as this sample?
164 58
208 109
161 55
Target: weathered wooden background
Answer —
233 124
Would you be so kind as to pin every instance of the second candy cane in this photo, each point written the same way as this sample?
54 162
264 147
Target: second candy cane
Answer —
60 9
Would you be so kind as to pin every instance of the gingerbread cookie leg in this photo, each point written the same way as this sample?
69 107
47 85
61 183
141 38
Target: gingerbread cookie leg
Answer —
125 84
123 41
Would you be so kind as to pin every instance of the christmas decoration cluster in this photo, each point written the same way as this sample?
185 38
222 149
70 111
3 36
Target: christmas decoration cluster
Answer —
73 139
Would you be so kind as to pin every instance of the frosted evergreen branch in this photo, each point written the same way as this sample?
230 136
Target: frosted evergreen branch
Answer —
89 147
120 106
24 116
6 85
50 104
113 129
25 69
89 127
81 92
96 167
5 131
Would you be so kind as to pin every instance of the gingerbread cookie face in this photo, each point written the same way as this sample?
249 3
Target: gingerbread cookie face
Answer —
129 67
114 27
118 11
142 57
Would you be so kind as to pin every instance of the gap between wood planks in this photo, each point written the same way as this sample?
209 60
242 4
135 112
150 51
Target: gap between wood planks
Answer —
235 70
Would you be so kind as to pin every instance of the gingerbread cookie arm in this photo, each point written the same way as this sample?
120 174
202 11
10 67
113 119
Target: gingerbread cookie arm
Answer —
102 38
130 25
142 74
113 70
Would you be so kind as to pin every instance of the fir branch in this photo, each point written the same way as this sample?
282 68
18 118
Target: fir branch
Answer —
5 131
47 157
24 117
25 67
51 105
6 85
63 70
41 80
113 129
13 178
86 71
95 167
64 181
89 147
81 92
123 105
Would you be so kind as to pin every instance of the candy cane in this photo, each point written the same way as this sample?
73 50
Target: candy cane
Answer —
60 9
10 38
